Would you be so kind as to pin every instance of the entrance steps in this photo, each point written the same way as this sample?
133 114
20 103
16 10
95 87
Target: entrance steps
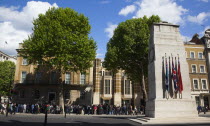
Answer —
184 120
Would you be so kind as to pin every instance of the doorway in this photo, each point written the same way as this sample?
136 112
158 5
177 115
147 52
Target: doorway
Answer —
52 97
206 101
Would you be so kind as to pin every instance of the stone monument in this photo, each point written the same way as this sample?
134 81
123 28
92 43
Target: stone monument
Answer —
166 42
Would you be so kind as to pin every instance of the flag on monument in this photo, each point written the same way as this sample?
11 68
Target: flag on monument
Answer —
179 78
177 86
167 76
174 76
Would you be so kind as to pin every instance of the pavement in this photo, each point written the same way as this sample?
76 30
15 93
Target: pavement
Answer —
91 120
202 119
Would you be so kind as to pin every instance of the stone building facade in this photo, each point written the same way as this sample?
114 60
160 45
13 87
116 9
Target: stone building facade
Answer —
115 89
6 57
198 57
39 86
97 86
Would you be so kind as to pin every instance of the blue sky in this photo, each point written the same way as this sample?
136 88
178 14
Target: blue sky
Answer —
16 17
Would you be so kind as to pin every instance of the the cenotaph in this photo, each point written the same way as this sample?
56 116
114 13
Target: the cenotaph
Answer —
166 43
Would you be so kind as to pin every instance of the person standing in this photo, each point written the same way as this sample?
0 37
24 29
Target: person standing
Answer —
14 108
24 108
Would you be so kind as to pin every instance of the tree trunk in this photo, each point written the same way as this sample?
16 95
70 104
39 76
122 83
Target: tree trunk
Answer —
144 88
61 92
143 84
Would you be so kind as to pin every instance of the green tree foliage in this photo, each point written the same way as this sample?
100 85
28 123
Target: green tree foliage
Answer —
60 40
7 70
128 48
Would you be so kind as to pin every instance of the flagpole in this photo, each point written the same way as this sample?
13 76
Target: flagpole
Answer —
175 66
169 75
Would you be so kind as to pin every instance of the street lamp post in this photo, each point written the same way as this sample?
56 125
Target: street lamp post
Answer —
46 111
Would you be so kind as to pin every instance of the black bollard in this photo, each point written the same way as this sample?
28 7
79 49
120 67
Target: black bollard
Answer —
45 120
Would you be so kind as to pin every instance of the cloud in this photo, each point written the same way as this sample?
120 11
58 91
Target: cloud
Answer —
104 2
200 18
128 9
12 36
100 55
201 33
185 38
110 29
204 0
168 10
16 24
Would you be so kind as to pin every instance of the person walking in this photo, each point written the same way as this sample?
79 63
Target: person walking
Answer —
199 108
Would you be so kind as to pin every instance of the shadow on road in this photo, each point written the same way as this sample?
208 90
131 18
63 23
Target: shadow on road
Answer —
76 123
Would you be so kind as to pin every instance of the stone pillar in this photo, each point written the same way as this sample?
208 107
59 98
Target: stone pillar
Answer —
165 39
96 82
117 89
201 100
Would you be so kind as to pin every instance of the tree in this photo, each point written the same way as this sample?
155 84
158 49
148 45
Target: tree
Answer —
60 41
7 70
6 77
128 49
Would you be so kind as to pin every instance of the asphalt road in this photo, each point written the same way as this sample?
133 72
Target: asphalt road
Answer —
72 120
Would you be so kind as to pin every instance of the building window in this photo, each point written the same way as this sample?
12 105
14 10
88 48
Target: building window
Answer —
197 99
23 77
204 86
193 68
25 62
22 94
195 83
106 102
192 55
127 87
107 87
200 55
38 77
82 94
36 94
108 73
67 78
82 78
53 78
202 69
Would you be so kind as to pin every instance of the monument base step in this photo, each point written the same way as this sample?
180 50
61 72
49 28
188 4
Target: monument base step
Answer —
186 120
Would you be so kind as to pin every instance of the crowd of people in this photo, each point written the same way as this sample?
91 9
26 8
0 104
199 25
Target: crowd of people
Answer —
104 109
77 109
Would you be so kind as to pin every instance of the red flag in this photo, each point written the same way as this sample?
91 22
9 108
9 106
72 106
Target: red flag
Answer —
179 78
